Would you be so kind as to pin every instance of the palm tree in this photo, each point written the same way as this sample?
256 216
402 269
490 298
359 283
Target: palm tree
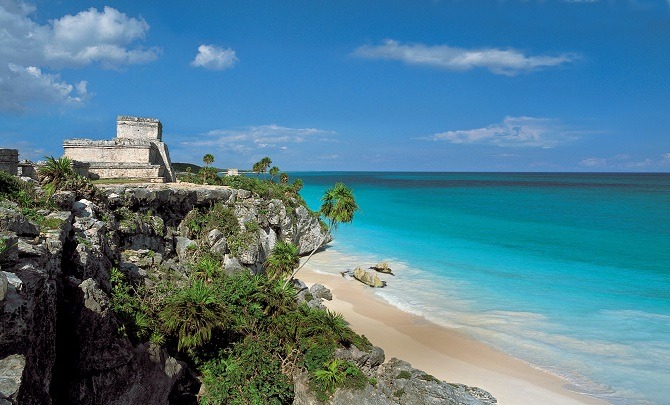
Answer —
265 163
208 159
273 172
339 206
282 261
55 172
283 178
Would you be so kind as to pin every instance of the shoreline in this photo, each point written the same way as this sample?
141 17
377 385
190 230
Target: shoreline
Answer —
445 353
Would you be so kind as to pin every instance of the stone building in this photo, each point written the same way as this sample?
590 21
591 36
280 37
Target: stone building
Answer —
9 160
137 152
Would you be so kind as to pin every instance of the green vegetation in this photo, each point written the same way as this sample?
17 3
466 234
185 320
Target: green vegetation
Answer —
245 334
208 159
404 375
339 206
283 260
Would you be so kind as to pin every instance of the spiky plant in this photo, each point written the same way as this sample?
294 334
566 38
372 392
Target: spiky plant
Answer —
193 313
282 261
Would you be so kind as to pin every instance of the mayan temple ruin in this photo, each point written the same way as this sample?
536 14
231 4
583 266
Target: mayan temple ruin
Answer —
137 152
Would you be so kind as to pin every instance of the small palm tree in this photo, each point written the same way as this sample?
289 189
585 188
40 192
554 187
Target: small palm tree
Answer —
283 178
339 206
208 159
193 313
55 172
282 261
273 172
331 376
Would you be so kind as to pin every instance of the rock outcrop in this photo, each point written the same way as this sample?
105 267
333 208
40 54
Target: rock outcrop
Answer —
397 382
59 340
368 278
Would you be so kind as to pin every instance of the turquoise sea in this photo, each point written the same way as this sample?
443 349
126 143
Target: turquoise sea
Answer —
569 272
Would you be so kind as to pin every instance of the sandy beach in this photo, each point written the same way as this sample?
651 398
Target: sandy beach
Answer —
444 353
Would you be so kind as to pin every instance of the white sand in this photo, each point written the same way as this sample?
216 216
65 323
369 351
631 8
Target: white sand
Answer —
444 353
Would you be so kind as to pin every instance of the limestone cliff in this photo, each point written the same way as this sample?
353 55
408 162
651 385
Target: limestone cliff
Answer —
60 340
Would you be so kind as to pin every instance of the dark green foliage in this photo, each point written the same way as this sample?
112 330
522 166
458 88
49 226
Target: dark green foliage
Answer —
336 373
404 375
282 261
250 373
246 334
201 222
193 313
399 393
125 303
9 185
55 172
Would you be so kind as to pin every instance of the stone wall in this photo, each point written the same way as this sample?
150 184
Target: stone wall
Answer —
117 151
9 160
135 153
138 128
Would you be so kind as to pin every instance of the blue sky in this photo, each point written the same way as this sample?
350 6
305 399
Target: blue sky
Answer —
348 85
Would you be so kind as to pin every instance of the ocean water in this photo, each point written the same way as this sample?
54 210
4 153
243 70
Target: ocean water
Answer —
569 272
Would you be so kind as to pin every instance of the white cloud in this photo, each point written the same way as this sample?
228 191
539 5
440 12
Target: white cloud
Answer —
621 162
666 156
27 48
499 61
593 162
214 58
512 132
20 85
251 139
93 36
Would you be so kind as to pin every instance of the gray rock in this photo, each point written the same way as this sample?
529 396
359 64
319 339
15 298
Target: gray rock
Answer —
268 240
84 208
321 292
367 361
182 245
13 221
64 199
213 236
3 285
250 255
11 369
13 280
220 246
94 298
231 265
11 242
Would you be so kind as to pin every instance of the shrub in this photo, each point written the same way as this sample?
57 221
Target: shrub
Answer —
192 313
250 373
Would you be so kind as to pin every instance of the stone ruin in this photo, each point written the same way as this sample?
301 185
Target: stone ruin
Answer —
9 161
137 152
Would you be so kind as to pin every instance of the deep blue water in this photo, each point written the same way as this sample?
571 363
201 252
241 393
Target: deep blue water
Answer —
570 272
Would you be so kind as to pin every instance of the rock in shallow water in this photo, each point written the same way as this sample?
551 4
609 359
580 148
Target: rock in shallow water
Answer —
368 278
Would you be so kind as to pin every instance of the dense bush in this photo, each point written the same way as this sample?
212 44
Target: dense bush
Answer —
245 334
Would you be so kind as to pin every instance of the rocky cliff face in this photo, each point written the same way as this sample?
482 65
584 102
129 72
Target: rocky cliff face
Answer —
59 340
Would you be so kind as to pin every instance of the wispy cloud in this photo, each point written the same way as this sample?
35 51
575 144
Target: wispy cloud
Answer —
250 140
107 38
508 62
512 132
214 58
622 162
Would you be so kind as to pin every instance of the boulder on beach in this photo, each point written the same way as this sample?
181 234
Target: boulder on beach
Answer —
368 278
382 267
